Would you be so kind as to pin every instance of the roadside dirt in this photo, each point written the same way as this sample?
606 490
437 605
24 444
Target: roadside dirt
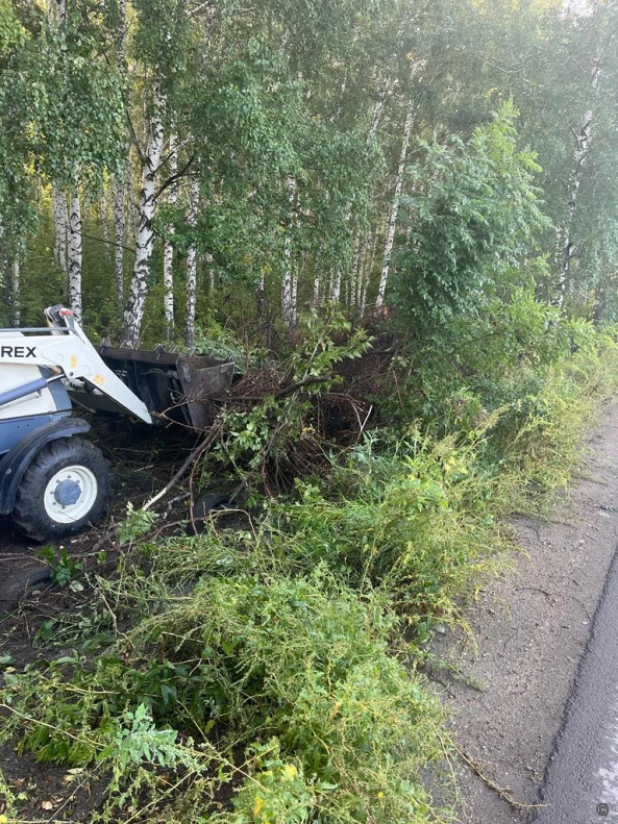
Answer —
508 697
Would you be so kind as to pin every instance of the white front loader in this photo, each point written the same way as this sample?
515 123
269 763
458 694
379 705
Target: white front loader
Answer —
52 482
67 352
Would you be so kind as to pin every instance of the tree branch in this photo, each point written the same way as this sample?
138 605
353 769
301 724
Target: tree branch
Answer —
109 242
173 178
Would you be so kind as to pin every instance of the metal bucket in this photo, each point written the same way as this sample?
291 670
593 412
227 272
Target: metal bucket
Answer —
174 387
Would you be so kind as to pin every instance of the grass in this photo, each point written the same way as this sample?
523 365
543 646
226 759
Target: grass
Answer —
260 675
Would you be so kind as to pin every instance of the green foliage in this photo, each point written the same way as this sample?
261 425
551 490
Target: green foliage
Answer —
258 675
65 571
270 431
473 216
278 648
137 523
294 673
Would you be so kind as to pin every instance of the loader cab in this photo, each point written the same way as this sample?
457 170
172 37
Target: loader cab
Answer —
52 482
30 398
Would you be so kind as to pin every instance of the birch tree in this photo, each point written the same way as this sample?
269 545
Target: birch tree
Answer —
144 236
288 291
168 253
391 227
75 254
194 201
16 290
565 249
119 191
123 175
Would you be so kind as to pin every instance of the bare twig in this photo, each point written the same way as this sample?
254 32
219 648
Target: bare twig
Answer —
503 792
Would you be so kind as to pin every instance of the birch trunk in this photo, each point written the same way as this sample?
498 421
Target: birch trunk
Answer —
144 235
317 288
194 202
168 254
335 283
75 255
288 303
376 117
565 249
122 30
378 108
124 174
61 221
335 286
5 287
392 222
260 294
16 291
356 264
104 219
57 11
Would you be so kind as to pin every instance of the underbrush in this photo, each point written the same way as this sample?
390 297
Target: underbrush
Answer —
261 674
283 690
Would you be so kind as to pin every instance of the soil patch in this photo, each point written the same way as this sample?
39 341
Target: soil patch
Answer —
508 696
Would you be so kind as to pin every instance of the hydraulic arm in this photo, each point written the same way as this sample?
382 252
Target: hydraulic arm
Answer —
64 349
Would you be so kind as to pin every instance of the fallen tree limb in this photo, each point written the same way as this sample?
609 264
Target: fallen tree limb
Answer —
213 434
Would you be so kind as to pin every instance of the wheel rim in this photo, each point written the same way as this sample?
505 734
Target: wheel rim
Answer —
70 494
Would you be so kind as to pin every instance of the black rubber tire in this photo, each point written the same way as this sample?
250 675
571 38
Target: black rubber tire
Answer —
207 505
29 515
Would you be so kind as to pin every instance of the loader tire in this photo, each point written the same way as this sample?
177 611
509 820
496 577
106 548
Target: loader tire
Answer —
64 489
206 507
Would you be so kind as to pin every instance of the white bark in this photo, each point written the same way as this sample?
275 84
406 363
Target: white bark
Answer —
392 223
4 270
565 250
124 174
16 291
122 29
378 108
57 11
317 287
356 266
335 283
295 297
288 300
61 224
194 202
75 255
144 235
168 253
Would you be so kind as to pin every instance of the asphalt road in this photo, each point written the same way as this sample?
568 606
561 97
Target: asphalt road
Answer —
582 777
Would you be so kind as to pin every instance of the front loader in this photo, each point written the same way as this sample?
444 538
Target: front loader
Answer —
53 482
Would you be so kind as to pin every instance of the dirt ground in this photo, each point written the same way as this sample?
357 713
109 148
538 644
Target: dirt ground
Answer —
532 626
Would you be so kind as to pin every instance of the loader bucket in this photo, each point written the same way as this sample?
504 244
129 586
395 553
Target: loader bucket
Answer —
174 387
